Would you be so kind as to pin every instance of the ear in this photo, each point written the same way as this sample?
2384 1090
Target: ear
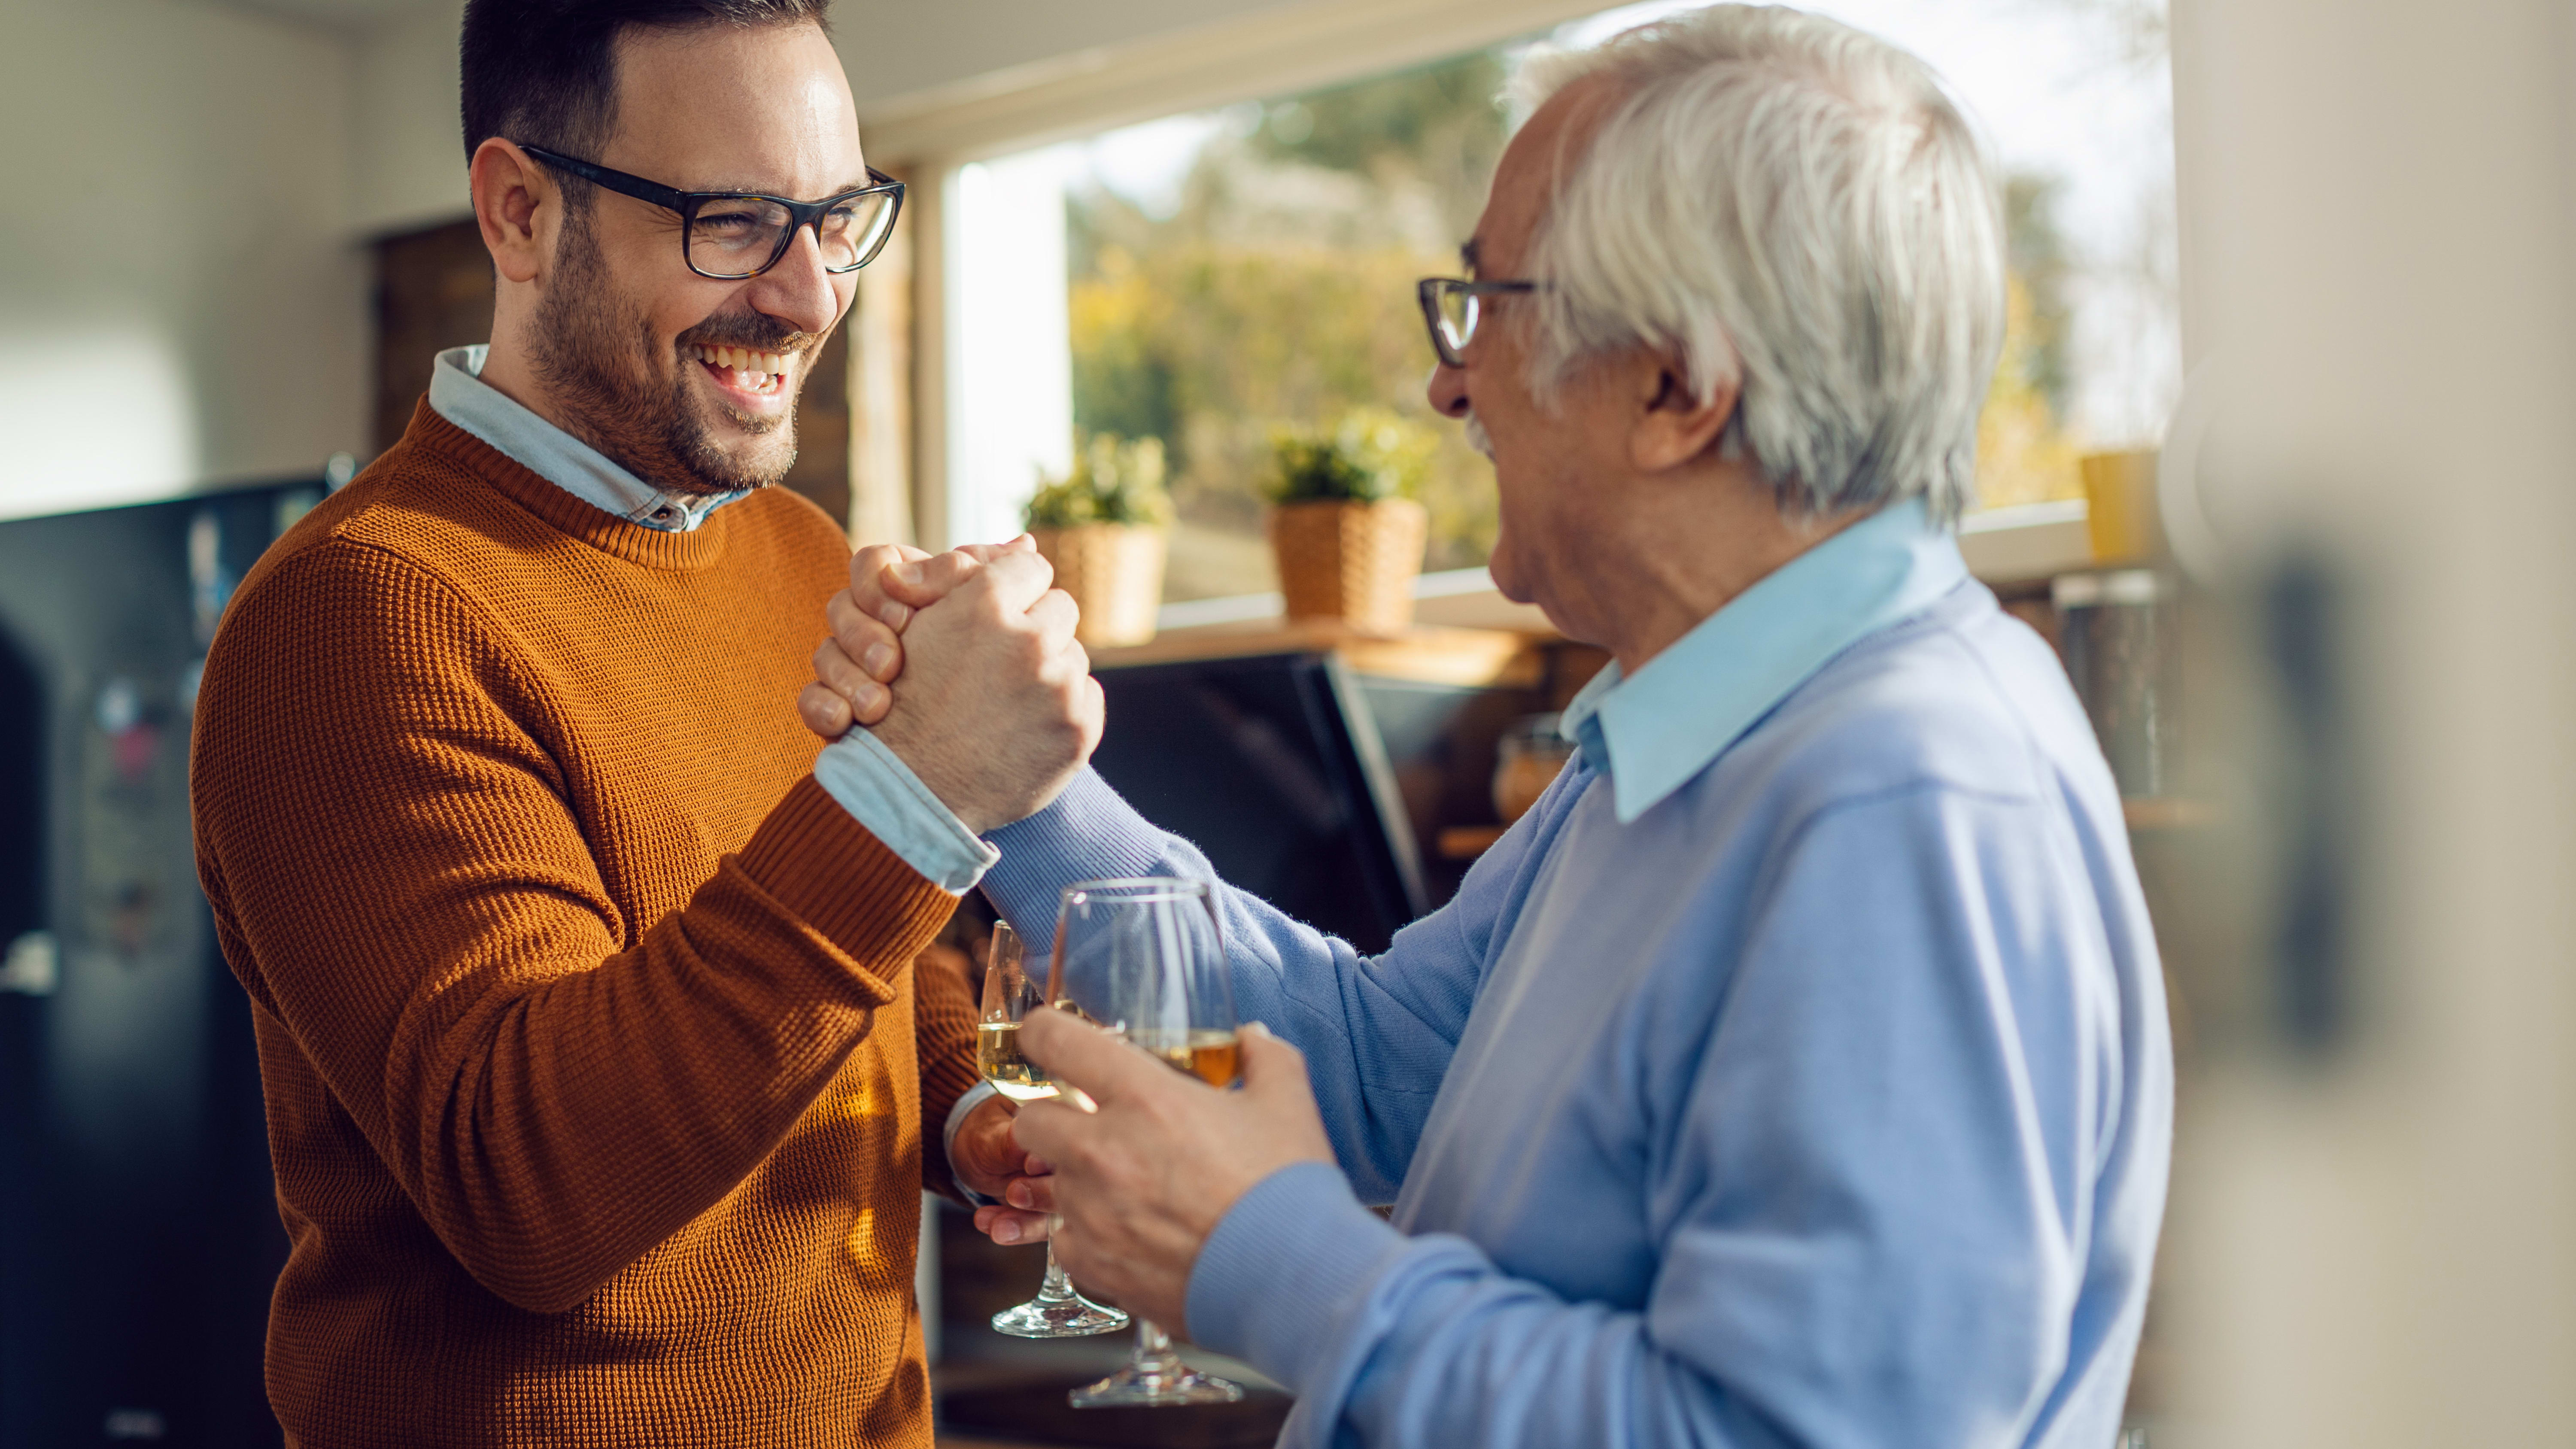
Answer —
515 205
1672 426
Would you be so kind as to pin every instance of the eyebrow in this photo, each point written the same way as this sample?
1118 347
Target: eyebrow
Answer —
1468 252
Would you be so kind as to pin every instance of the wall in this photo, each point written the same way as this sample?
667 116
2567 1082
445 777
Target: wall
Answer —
408 161
410 169
178 302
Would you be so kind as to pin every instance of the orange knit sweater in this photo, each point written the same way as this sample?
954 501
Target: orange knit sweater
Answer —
597 1070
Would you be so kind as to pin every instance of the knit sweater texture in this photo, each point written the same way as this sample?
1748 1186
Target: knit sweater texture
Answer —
596 1064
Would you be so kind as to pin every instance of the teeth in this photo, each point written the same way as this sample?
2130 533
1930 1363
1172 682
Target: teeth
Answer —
754 370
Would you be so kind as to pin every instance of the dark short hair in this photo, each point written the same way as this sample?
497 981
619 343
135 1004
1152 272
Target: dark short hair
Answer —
544 72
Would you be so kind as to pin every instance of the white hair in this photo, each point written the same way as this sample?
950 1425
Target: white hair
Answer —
1785 204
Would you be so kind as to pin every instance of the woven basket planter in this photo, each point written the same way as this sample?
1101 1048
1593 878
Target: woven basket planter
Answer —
1351 561
1115 572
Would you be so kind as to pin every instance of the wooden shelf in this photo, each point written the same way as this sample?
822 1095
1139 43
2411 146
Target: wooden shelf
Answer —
2167 812
1473 658
1466 842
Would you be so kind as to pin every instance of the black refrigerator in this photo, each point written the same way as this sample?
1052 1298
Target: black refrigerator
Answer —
139 1237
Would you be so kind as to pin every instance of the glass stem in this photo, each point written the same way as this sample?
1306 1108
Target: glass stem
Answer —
1057 1287
1153 1345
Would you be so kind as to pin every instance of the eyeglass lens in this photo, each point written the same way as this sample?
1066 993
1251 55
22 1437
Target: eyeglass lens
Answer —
737 237
1458 311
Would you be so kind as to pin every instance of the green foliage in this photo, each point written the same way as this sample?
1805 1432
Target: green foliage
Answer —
1440 125
1244 341
1372 454
2036 250
1113 480
1279 298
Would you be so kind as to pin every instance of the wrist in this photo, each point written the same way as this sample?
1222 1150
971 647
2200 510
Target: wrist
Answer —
957 797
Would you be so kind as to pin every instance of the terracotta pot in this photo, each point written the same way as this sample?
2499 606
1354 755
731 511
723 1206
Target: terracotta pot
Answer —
1114 572
1351 561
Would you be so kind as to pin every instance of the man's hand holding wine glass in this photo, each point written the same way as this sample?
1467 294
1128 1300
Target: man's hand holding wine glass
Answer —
1142 1180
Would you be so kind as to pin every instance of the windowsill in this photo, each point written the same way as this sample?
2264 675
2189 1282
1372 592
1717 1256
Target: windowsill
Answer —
2002 546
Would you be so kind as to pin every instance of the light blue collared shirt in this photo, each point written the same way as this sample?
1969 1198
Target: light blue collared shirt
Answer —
876 787
458 393
1651 734
1794 1073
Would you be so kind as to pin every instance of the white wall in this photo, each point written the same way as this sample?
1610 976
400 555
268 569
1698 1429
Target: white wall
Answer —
408 160
179 304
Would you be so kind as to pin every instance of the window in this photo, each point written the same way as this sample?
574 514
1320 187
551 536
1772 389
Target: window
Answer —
1212 278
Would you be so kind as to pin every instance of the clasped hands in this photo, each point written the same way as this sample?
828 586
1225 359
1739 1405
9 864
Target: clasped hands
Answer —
965 665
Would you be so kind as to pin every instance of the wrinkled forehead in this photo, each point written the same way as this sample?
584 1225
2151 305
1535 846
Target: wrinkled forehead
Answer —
736 108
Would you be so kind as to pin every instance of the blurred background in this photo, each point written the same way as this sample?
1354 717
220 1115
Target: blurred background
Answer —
2279 456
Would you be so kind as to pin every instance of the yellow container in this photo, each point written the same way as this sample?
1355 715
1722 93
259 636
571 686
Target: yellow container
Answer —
2120 506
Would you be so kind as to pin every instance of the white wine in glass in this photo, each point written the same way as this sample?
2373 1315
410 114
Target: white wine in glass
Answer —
1058 1311
1145 959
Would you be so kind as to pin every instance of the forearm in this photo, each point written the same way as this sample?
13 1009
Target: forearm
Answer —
943 1024
1391 1340
555 1108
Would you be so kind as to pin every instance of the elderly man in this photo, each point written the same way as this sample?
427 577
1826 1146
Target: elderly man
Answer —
595 1061
1797 1071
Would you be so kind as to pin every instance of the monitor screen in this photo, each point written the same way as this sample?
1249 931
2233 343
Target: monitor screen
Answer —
1271 765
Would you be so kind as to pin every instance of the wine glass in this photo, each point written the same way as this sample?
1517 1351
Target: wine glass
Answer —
1144 959
1058 1311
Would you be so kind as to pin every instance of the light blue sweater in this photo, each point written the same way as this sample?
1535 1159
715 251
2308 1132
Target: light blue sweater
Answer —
1824 1100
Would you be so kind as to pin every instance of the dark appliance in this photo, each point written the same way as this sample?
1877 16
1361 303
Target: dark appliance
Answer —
139 1238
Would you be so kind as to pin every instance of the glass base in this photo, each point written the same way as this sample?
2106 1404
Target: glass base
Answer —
1071 1316
1156 1382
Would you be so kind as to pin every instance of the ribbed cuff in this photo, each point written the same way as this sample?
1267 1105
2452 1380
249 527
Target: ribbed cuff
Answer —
1089 833
1287 1272
826 869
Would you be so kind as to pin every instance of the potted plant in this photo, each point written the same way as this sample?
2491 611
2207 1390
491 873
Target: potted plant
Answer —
1347 532
1101 525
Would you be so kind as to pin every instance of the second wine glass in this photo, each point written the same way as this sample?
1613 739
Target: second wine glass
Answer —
1145 959
1058 1311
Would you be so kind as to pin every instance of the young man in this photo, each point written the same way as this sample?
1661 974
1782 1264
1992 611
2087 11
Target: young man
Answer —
1796 1073
596 1066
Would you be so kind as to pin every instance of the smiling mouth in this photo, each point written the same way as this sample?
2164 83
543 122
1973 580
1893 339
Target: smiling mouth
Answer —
757 373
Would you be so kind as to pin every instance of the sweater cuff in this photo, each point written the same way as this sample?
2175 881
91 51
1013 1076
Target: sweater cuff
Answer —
1287 1273
1089 833
827 871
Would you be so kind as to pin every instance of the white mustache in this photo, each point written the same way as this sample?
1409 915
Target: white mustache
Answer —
1478 438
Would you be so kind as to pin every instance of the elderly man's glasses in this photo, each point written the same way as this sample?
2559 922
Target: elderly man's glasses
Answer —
731 235
1451 308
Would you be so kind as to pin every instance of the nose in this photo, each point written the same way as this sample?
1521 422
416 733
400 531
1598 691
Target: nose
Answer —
798 291
1447 390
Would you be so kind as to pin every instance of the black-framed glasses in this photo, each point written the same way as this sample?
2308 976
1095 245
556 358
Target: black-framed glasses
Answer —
731 235
1451 308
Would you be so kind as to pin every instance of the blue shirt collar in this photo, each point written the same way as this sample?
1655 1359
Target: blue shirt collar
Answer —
458 393
1652 733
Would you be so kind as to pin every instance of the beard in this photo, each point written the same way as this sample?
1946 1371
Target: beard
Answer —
627 396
